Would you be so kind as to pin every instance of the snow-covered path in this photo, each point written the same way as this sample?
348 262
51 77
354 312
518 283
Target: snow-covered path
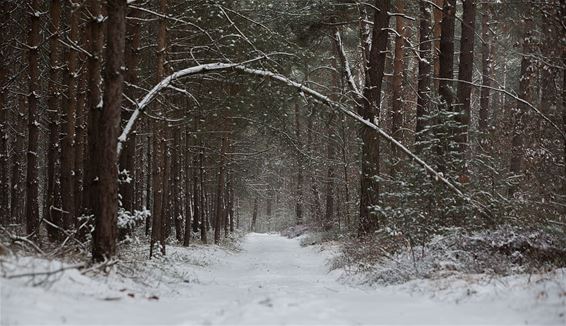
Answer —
272 281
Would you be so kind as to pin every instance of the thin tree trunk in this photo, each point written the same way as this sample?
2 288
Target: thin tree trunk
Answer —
203 208
300 179
159 189
486 58
32 178
188 202
398 70
220 192
68 152
51 210
254 216
176 189
424 76
330 172
437 31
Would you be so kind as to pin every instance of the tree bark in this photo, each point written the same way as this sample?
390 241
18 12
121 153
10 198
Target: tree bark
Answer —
159 189
51 210
254 216
446 72
220 192
68 151
300 167
127 157
486 53
398 70
32 178
369 187
106 206
94 102
424 86
4 166
465 73
189 204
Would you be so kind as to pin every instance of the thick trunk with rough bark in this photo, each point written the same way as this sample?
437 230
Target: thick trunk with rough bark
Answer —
4 166
369 110
446 71
106 205
94 102
465 73
127 157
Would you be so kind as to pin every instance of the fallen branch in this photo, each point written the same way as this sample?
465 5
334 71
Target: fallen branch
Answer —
46 273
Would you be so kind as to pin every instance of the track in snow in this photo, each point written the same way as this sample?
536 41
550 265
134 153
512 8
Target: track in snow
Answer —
273 281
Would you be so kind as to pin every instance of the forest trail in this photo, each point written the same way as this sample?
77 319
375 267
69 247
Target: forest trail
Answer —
272 281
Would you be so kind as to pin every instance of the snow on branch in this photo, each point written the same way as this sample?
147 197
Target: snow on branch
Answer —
346 64
241 67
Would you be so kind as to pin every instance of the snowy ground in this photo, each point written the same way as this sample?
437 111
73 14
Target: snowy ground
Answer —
273 280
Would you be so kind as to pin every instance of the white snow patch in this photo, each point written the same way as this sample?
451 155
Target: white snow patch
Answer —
272 281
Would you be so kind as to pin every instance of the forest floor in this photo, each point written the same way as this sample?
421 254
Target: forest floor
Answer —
269 280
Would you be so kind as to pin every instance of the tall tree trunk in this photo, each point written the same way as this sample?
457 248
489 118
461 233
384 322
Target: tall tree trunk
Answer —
254 216
437 31
424 87
446 71
51 210
203 207
127 157
486 53
330 172
189 204
106 207
369 187
231 201
398 69
16 194
68 151
80 144
159 189
94 102
465 73
4 166
32 178
220 192
175 186
300 168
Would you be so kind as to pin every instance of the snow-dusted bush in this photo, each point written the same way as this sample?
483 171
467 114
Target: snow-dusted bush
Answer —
506 250
128 220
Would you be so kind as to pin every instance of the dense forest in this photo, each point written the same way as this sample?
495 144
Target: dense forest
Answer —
379 124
